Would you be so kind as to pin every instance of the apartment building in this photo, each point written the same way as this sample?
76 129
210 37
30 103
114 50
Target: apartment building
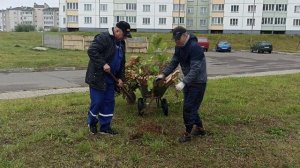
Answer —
2 22
204 16
41 16
51 18
293 17
91 15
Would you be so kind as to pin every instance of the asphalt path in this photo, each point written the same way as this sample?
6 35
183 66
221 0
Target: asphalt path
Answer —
218 65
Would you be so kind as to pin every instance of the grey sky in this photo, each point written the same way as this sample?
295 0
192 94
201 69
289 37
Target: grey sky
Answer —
17 3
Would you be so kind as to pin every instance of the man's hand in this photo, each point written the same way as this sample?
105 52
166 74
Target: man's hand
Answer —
106 68
159 77
120 83
180 86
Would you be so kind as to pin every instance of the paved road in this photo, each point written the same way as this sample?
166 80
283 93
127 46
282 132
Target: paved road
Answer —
219 64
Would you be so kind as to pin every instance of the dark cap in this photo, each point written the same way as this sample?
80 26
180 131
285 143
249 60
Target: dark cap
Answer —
177 32
125 27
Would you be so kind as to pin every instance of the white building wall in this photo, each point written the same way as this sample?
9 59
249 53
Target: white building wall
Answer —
95 14
243 15
154 14
291 15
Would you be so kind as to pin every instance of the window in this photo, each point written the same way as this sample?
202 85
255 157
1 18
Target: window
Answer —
146 21
297 9
190 10
178 7
233 22
296 22
131 6
162 21
64 20
267 20
87 20
281 7
217 20
146 8
203 22
251 8
73 19
268 7
203 10
217 7
162 8
87 7
64 8
189 22
73 6
178 20
280 21
103 7
250 22
103 20
234 8
131 19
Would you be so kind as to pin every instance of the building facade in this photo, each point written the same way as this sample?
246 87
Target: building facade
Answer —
42 17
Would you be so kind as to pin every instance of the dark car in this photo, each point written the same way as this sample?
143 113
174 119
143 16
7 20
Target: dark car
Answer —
261 47
223 45
204 43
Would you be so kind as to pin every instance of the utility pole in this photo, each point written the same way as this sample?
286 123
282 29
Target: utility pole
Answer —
252 23
99 17
179 13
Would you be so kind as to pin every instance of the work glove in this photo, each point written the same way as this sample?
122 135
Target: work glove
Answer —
180 86
159 77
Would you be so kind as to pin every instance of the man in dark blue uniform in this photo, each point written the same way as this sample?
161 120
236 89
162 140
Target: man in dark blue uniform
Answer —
106 55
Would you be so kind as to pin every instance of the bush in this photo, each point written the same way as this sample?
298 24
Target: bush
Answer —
24 28
54 29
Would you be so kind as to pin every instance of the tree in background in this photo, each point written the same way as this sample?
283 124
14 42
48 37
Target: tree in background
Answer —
24 28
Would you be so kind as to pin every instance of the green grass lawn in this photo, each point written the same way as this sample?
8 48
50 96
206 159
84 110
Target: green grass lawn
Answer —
16 48
253 122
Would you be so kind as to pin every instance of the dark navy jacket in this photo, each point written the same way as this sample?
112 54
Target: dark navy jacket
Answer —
192 61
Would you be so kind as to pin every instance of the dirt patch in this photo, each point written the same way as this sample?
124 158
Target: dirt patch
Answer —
146 128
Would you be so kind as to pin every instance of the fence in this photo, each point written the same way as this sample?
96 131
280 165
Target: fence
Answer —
80 42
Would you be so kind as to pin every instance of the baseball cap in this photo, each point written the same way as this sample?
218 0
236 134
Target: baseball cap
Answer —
177 32
125 27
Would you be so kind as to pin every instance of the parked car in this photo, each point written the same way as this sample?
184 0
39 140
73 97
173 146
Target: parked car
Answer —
261 47
204 43
223 45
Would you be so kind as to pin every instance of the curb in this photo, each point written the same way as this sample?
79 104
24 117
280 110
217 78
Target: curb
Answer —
37 93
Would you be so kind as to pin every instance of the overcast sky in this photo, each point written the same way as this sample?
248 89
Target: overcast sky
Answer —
17 3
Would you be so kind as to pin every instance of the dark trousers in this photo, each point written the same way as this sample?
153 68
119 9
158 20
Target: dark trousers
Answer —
193 96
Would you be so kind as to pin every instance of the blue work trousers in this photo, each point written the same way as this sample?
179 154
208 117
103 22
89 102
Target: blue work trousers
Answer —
102 107
193 96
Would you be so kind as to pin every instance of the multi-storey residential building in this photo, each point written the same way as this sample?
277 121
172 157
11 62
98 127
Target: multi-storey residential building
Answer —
41 16
38 16
2 25
204 16
293 17
51 18
26 16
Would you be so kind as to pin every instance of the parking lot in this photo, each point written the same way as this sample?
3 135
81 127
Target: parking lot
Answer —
237 62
